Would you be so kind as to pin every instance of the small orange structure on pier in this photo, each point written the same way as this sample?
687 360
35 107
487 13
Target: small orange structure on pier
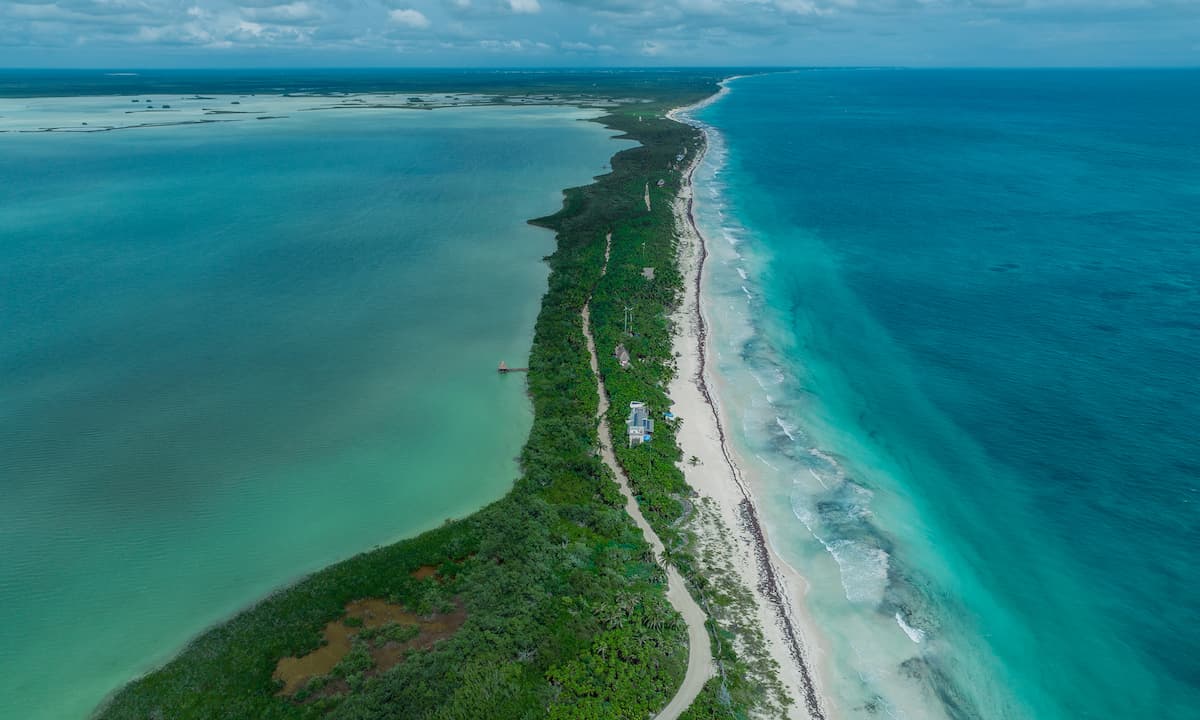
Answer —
504 368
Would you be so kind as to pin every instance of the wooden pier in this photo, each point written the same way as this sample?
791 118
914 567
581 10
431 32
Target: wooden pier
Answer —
504 368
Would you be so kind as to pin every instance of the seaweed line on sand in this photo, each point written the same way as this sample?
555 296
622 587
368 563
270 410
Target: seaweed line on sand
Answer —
770 584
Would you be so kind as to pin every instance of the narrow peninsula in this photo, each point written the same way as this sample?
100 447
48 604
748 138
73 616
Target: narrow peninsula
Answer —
611 581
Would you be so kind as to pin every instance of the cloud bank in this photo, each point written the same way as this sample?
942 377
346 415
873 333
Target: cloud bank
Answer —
164 33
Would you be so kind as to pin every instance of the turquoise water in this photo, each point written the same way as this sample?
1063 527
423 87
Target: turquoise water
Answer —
235 353
957 329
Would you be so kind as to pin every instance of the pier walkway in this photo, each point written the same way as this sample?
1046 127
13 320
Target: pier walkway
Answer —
700 663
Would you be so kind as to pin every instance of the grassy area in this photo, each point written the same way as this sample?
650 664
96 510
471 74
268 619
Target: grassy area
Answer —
565 609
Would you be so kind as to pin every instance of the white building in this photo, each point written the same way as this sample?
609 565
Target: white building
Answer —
639 424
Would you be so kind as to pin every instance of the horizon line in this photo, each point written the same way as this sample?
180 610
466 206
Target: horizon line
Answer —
579 68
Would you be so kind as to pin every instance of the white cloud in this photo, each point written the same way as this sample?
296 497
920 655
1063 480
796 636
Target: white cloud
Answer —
523 45
652 48
799 7
687 31
409 18
583 47
705 7
528 7
286 14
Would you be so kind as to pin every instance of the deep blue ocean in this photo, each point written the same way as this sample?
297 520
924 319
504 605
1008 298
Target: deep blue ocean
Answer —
957 325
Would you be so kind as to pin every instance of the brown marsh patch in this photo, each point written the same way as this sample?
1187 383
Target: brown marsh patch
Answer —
362 616
425 571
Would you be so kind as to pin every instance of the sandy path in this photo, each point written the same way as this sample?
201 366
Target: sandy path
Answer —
700 664
647 197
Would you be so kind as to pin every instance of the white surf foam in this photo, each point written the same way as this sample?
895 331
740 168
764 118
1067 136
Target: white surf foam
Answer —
861 506
786 428
914 634
864 570
766 462
800 509
825 468
762 384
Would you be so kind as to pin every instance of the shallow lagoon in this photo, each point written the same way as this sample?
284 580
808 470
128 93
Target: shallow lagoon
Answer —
236 352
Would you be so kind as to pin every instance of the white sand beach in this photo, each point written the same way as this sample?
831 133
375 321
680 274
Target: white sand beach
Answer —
713 471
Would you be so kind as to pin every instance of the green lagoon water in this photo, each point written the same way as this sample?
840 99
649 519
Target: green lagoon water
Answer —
234 353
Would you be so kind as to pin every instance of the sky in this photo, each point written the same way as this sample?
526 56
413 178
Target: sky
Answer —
581 33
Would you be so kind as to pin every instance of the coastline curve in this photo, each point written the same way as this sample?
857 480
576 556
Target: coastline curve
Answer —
770 586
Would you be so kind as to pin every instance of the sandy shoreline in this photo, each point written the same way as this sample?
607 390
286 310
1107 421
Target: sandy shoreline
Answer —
715 474
107 113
